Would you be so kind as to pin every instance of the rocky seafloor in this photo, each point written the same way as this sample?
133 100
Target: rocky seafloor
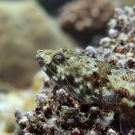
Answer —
58 113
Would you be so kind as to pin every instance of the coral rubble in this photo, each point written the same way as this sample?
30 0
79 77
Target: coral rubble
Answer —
58 113
119 48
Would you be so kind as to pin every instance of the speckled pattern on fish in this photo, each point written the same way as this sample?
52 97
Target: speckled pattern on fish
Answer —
91 80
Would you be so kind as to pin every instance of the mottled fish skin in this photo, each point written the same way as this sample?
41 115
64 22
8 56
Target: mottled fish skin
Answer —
90 80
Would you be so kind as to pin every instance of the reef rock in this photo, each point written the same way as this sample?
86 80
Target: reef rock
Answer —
119 47
84 19
24 28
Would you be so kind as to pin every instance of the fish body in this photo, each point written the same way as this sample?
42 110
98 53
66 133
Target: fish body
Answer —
91 81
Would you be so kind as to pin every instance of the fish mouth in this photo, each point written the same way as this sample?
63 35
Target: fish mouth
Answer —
40 54
42 60
40 57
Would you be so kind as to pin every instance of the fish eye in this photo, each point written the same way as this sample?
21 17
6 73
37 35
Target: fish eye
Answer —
57 58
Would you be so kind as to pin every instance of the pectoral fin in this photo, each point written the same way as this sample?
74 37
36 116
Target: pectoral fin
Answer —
126 126
111 100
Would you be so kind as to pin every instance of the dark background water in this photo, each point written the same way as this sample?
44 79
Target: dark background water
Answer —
52 6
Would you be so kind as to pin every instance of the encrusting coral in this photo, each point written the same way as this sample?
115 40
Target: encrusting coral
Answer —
58 113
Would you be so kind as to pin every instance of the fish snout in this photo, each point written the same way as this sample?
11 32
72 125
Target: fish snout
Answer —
40 54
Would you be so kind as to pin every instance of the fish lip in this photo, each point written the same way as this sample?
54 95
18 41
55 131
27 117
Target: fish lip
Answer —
39 59
40 55
37 56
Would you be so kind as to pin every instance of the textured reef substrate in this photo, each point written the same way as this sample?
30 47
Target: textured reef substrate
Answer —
58 113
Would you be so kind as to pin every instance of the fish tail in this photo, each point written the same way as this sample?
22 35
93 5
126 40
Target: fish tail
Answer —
127 126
